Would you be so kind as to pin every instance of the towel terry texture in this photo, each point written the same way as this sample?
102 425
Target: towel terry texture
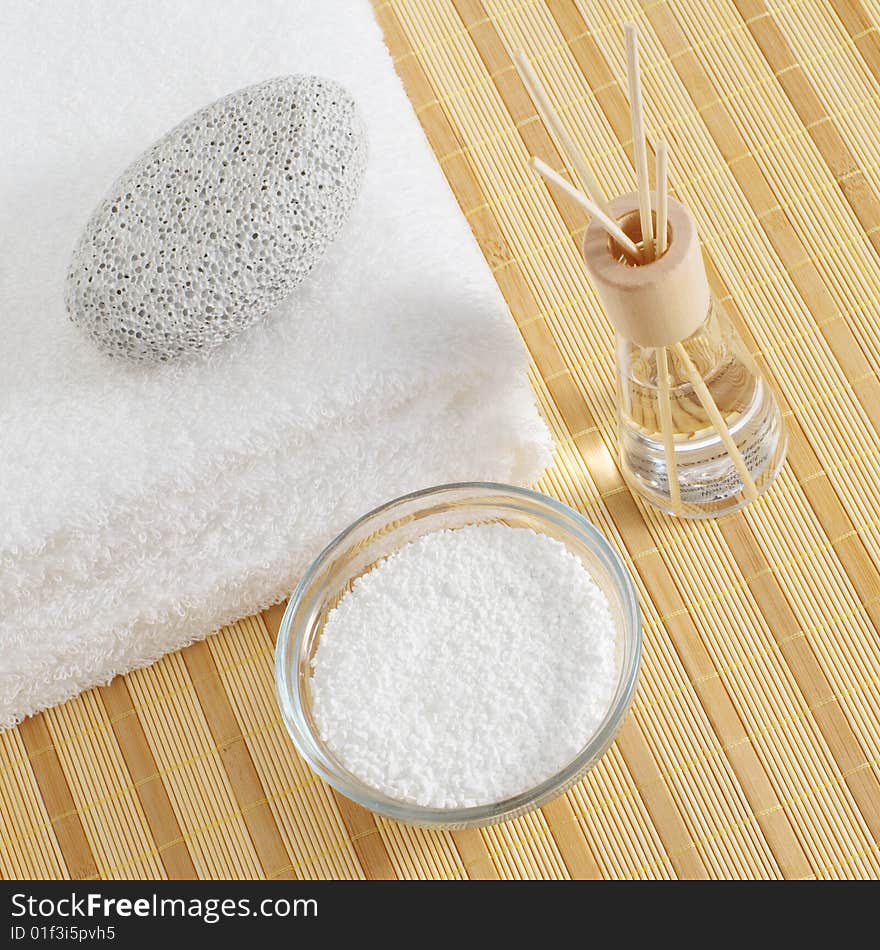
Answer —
143 507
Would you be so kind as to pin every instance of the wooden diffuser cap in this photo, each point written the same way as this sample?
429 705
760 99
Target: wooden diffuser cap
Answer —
655 304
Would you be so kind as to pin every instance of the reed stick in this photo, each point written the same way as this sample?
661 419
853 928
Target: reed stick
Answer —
666 428
665 399
609 224
637 116
661 178
550 116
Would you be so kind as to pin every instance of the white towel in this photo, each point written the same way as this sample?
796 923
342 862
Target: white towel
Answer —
141 508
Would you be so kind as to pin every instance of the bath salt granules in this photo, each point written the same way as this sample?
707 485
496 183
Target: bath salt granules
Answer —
465 668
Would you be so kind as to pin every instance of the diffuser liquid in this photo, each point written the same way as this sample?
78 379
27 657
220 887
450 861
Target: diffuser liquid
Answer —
707 477
708 481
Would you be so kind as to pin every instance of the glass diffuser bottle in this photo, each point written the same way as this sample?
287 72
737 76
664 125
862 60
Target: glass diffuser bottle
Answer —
700 431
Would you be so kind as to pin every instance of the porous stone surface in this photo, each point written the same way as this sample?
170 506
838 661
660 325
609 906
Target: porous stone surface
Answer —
218 221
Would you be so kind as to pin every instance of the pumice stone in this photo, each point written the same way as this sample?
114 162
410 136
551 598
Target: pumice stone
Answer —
218 221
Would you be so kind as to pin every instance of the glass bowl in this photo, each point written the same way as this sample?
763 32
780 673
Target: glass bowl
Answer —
386 530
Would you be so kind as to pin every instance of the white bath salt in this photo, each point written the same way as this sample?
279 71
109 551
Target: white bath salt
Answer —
467 667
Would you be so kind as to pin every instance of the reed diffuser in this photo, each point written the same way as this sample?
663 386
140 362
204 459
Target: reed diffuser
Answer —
700 430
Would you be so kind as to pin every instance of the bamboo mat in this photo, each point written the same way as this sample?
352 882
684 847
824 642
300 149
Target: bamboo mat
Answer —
753 746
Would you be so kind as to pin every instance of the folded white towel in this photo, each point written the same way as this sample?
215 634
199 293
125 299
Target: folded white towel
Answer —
141 508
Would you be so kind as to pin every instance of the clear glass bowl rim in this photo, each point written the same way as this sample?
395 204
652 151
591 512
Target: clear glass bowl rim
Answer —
297 722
